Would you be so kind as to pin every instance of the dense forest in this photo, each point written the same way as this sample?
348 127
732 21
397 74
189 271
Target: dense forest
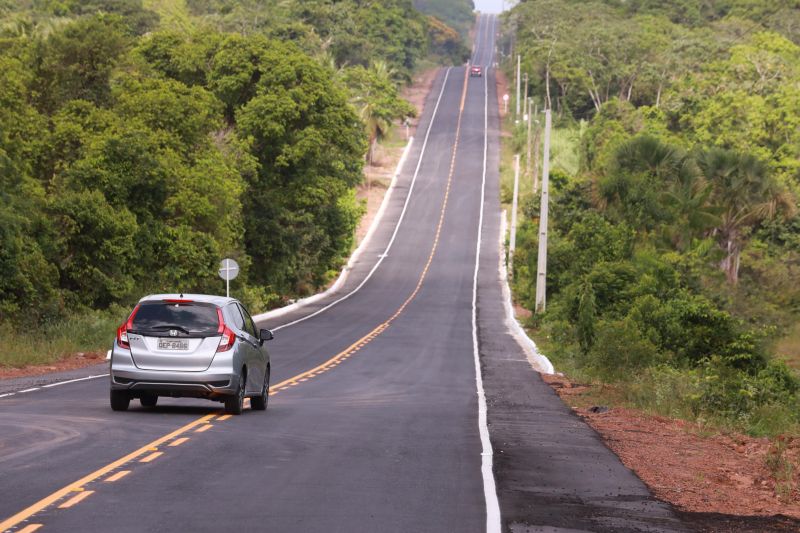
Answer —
458 14
675 248
140 143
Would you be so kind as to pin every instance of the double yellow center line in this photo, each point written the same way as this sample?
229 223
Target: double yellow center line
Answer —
150 452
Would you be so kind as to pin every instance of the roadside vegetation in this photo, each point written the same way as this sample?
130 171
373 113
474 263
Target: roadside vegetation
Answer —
674 246
142 142
457 14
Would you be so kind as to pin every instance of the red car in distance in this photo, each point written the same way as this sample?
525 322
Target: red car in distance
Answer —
475 70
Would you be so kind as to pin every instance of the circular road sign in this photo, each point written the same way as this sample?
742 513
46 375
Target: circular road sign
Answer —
505 97
228 269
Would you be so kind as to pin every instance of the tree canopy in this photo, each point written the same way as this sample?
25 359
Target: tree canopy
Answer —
137 150
673 248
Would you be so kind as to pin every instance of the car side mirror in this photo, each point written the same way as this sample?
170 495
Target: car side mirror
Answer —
265 335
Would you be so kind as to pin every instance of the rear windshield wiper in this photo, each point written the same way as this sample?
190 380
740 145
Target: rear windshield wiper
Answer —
173 326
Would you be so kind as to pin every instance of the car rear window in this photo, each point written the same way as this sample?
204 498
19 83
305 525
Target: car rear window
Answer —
189 319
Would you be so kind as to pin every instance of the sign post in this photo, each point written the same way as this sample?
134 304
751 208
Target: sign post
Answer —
228 270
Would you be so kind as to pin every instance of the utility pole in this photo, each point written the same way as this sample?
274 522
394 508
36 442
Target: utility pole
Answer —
537 133
525 98
528 142
516 116
512 245
541 271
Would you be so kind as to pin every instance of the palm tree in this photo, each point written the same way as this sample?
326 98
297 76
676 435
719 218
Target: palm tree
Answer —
650 154
687 197
23 25
377 126
745 195
371 109
641 170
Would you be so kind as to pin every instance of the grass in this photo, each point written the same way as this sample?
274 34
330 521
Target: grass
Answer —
46 343
782 469
395 138
564 157
788 347
565 149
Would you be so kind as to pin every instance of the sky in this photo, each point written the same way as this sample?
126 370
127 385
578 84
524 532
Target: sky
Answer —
490 6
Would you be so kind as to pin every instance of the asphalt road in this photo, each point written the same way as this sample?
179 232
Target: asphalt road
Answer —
375 419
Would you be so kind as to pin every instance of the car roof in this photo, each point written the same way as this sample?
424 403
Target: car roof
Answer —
219 301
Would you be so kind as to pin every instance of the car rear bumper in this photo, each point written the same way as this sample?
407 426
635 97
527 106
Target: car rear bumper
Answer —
216 382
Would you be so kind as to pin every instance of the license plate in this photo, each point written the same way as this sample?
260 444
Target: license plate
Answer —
173 344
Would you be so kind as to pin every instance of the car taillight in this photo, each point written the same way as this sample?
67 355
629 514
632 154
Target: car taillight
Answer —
122 331
228 336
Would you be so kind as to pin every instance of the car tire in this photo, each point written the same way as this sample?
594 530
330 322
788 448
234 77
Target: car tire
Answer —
120 400
259 403
235 404
149 400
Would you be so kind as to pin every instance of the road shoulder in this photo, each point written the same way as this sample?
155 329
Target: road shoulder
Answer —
717 481
47 376
552 470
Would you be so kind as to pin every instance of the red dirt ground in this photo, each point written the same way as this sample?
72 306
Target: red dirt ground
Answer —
69 362
722 482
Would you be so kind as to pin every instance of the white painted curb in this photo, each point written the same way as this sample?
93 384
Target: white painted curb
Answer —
493 516
274 313
538 361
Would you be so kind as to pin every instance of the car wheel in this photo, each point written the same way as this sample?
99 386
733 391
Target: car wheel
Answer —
234 404
259 403
149 400
120 400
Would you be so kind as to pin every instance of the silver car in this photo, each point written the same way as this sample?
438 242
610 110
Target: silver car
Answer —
190 345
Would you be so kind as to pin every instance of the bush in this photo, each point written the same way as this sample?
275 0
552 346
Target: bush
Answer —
667 391
743 398
619 349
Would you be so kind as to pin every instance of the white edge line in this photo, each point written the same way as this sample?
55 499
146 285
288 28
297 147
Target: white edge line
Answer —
32 389
73 381
493 521
537 359
311 299
353 257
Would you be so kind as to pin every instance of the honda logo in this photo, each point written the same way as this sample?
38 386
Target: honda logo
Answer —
173 333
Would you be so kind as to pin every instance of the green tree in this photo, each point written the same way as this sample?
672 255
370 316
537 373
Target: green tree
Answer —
746 194
132 12
76 61
587 316
299 211
175 56
375 96
458 14
96 247
643 168
446 42
746 102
